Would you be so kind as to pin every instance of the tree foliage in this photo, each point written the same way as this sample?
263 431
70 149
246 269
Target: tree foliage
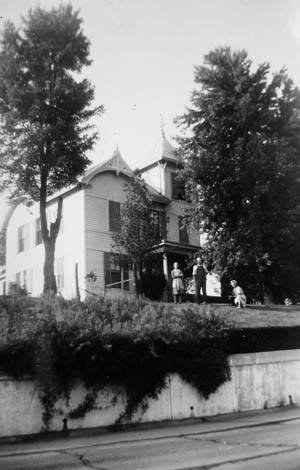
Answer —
241 154
45 111
141 228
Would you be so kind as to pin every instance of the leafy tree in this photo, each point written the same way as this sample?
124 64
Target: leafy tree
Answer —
241 151
140 229
45 109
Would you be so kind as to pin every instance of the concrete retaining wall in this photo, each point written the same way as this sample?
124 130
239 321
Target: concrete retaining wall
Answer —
258 380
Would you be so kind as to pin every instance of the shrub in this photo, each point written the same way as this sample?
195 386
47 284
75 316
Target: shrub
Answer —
251 340
154 285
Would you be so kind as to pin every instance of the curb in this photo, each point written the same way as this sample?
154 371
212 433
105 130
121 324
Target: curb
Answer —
217 420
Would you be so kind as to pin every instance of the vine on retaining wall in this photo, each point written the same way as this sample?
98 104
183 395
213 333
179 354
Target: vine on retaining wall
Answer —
132 349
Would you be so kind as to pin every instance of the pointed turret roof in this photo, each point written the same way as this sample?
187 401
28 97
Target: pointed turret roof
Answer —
114 163
168 151
162 151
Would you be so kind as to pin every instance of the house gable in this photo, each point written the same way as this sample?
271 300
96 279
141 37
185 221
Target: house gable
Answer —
114 164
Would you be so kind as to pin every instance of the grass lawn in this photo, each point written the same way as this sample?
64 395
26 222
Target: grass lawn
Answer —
252 316
257 315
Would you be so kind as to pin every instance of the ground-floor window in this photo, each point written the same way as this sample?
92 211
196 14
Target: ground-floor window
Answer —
24 280
116 271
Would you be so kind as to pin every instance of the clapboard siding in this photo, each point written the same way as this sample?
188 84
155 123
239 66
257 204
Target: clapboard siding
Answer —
69 245
109 186
84 235
29 259
100 241
95 263
96 213
103 188
172 228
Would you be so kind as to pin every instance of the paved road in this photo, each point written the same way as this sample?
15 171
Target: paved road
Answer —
265 441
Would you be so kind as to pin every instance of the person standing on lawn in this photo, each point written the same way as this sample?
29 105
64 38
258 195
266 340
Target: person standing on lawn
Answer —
239 297
199 277
177 283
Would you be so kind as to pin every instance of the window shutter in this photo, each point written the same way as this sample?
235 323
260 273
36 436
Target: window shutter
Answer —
26 237
114 212
183 234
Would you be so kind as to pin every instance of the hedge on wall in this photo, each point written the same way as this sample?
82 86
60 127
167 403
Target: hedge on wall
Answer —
123 345
251 340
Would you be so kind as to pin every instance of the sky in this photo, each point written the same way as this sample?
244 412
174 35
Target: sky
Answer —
144 53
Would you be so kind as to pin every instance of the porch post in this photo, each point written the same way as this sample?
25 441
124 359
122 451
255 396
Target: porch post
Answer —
165 266
166 274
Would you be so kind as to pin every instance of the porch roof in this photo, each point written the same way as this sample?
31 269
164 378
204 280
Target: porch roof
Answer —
172 247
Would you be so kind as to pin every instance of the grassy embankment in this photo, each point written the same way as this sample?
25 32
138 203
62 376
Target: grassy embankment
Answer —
254 316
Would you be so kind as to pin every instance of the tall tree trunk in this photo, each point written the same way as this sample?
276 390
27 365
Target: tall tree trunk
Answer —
49 276
49 238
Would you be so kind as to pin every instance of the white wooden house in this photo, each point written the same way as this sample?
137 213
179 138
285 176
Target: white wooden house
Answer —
90 211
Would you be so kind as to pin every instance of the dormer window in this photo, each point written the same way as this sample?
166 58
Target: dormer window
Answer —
177 187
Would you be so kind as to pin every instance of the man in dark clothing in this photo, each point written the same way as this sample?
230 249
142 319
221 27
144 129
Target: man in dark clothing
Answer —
199 277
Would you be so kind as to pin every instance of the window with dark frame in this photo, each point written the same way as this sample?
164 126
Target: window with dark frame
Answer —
160 223
116 271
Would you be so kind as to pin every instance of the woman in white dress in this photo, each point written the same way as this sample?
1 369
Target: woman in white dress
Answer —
239 296
177 283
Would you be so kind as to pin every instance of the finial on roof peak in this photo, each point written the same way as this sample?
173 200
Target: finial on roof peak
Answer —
116 152
162 125
116 160
163 149
114 163
167 148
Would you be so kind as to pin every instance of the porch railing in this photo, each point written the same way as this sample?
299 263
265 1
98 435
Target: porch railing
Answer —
117 283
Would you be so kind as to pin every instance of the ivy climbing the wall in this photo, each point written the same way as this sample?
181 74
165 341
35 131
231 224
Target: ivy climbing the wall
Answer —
125 345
